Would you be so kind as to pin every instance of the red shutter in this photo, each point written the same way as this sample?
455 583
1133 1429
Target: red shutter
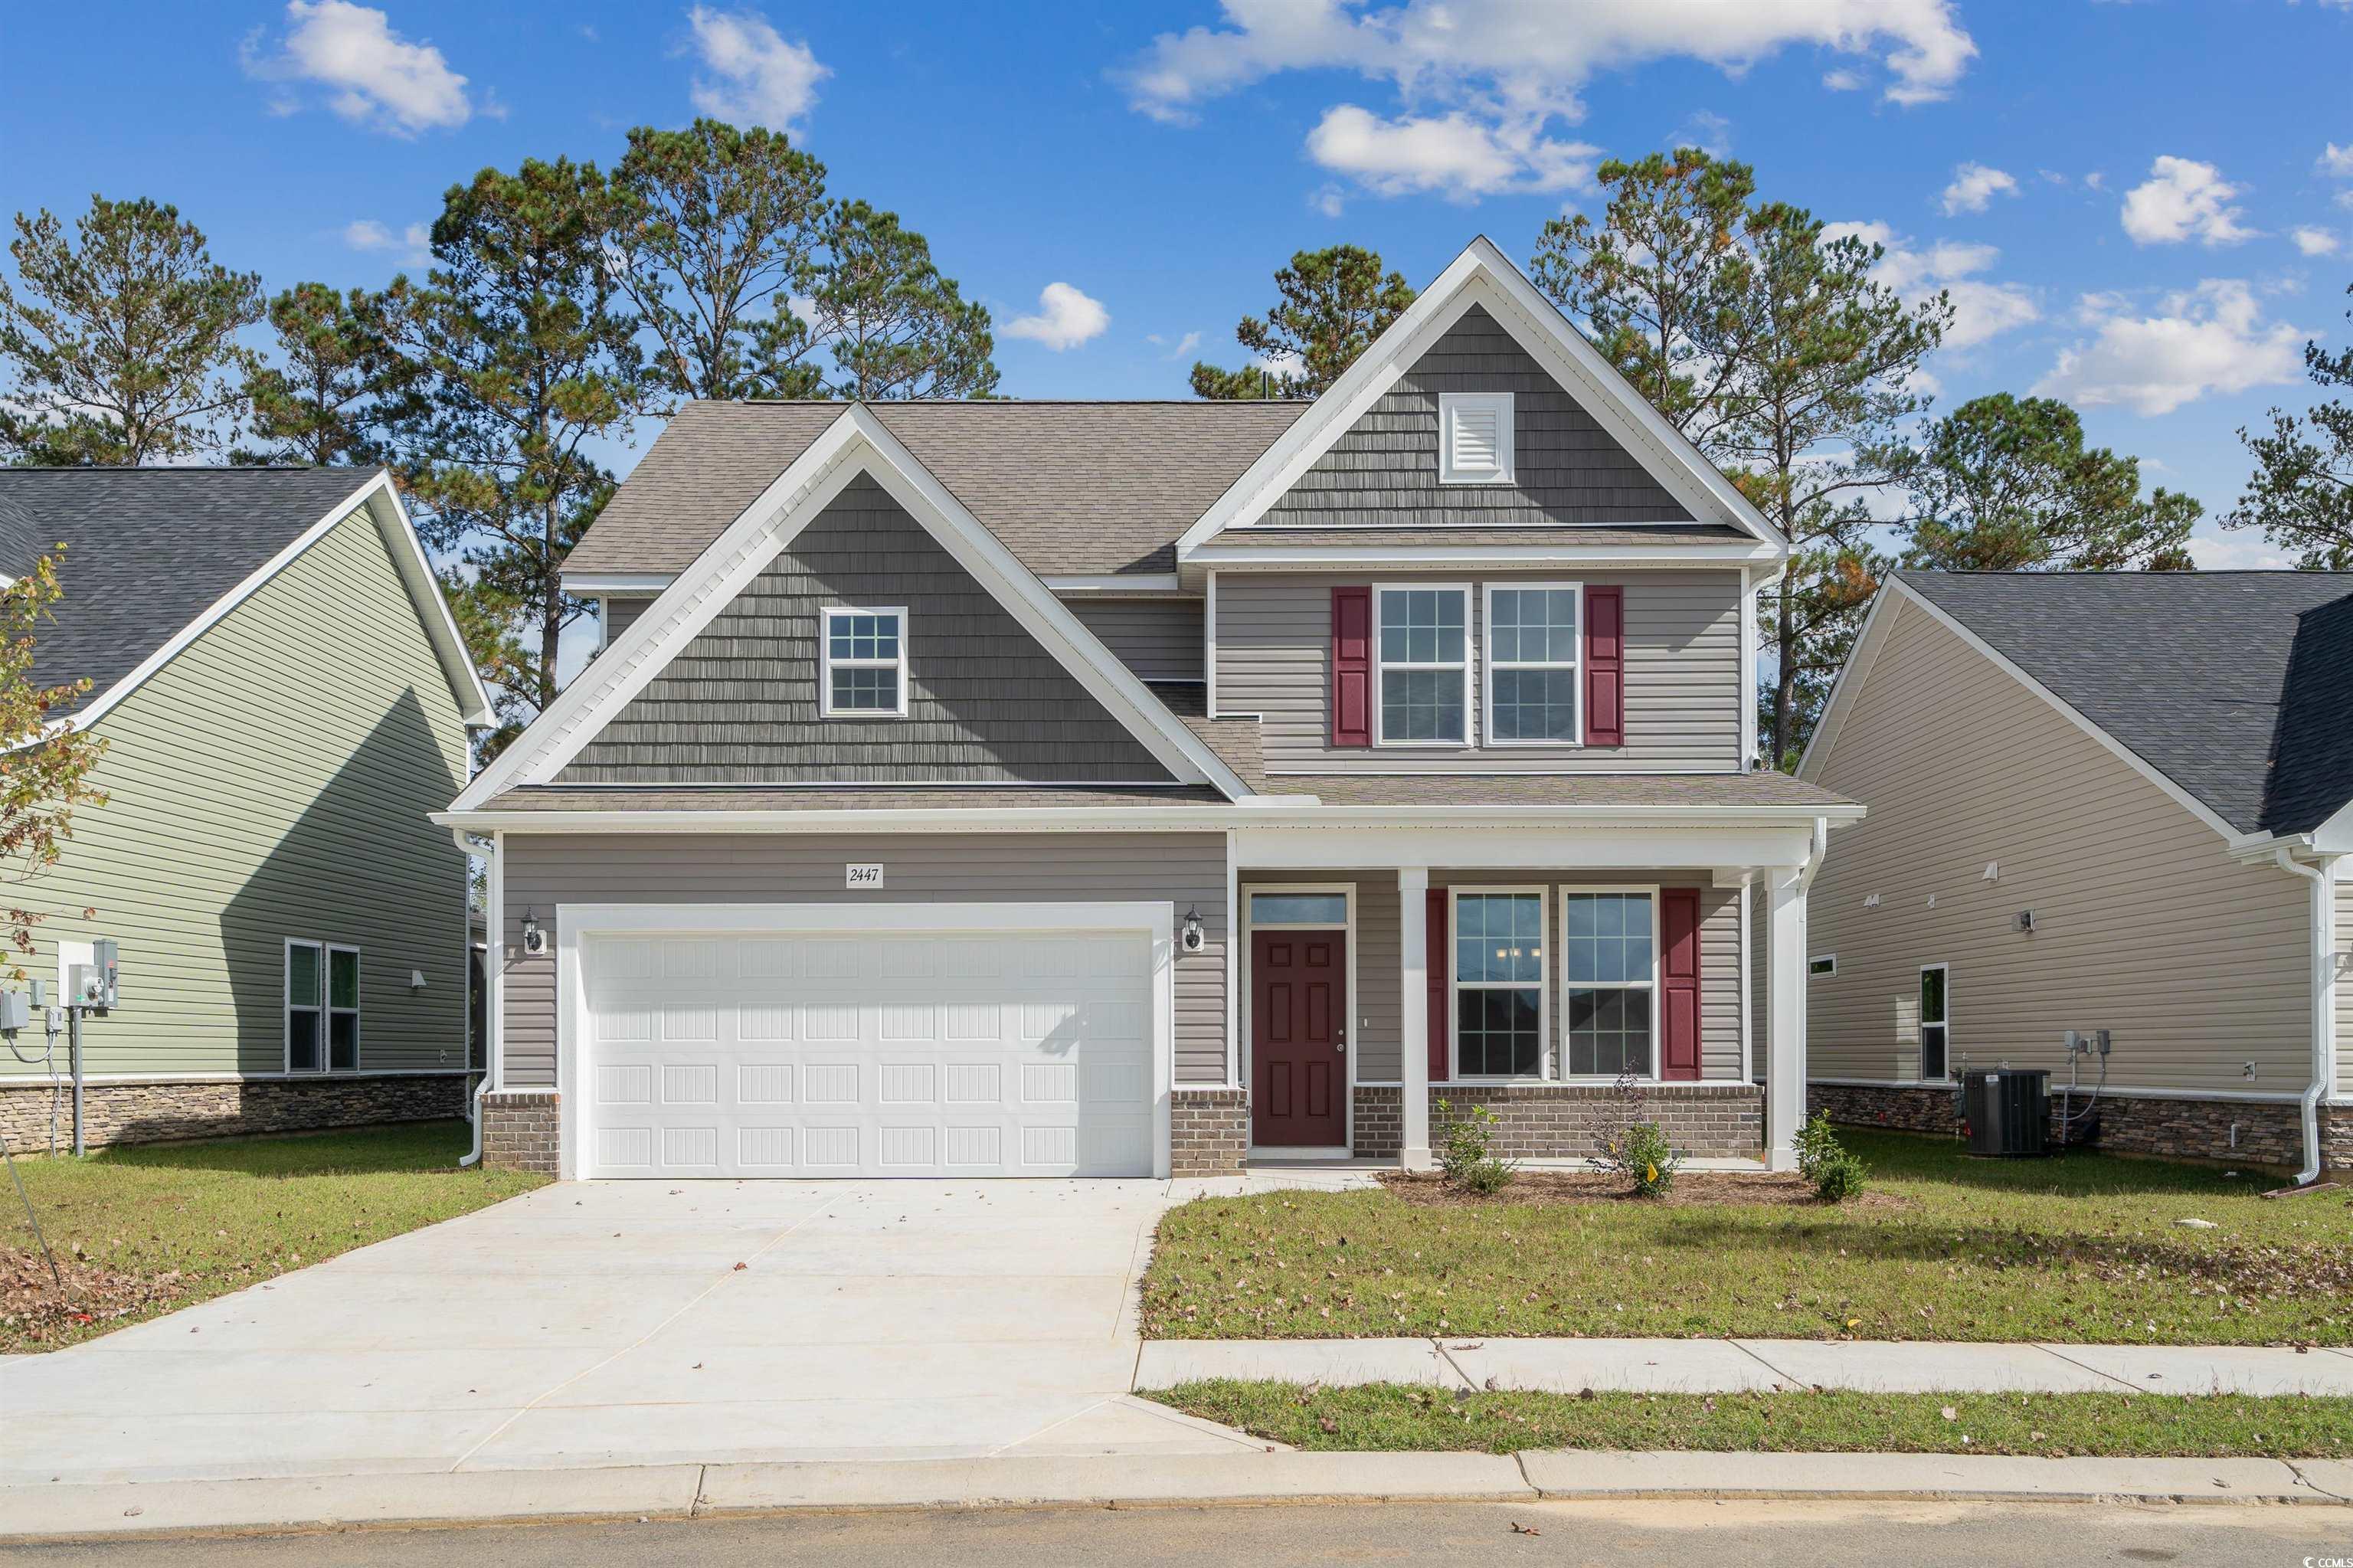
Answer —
1437 950
1605 666
1352 666
1679 983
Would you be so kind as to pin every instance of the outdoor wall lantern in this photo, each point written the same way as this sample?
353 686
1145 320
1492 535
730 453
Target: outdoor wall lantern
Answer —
1193 937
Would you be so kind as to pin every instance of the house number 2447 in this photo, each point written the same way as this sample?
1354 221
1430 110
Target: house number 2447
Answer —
864 875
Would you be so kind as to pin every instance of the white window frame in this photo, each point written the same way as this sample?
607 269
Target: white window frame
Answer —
1824 965
325 1007
1542 984
1381 667
1489 664
1560 954
1501 402
827 664
1944 1024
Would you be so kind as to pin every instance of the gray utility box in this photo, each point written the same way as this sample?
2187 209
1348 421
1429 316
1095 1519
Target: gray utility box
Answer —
2007 1111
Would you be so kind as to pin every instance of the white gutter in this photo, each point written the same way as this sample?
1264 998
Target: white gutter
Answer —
2323 876
1260 810
473 1156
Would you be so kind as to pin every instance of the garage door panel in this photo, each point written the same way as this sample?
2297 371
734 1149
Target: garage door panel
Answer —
996 1053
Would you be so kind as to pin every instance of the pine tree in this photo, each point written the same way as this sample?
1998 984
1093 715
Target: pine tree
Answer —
2301 493
1332 304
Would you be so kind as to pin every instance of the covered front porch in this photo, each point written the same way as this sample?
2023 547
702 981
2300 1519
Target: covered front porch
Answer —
1563 978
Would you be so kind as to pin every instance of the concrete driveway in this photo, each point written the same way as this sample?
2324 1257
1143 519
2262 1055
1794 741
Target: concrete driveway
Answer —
591 1324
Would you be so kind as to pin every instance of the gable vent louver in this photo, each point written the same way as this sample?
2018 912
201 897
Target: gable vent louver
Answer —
1476 438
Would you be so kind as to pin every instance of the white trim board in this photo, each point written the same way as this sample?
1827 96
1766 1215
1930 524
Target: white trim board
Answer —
384 508
1482 275
856 443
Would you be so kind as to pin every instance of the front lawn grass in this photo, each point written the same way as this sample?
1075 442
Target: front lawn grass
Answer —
1394 1416
147 1230
2082 1247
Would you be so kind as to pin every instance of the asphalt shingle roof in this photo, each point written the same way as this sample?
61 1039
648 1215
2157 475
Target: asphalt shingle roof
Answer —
2233 685
148 550
1075 489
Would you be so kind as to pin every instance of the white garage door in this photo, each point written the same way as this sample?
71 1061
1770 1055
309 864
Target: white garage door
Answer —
881 1055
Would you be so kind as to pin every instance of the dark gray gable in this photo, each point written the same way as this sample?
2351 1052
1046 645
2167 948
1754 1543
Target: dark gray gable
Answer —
986 702
1383 469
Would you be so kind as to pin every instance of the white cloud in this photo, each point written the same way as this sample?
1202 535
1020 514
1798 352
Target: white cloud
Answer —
1841 80
2182 199
1065 319
1182 346
2316 241
1328 199
1974 186
373 76
758 77
2209 339
2336 161
1981 309
414 244
1710 132
1454 156
2239 553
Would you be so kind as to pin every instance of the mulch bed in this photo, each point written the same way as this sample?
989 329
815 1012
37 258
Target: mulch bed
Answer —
32 1313
1775 1189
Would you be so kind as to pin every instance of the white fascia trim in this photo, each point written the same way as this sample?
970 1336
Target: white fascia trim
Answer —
591 585
1483 275
416 573
1162 585
1878 623
1263 811
1895 588
1259 558
853 444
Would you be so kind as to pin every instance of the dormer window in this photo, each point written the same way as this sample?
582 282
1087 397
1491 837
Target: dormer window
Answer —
865 659
1474 437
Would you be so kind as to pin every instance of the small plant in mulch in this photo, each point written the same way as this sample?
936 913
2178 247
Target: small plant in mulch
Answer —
1833 1169
1630 1145
1466 1157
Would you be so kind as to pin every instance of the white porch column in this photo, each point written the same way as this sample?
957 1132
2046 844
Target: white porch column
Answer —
1413 968
1785 1067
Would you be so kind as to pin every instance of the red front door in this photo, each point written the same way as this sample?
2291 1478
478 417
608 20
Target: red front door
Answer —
1299 1054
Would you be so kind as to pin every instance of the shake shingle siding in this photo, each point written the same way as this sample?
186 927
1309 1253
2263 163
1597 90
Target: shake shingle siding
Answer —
1159 639
1385 469
986 702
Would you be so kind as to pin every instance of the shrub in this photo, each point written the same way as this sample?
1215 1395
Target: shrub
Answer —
1633 1146
1834 1171
1467 1157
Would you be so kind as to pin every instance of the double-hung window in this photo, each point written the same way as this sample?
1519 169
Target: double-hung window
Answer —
322 1007
1532 631
1499 984
865 673
1610 972
1935 1021
1425 667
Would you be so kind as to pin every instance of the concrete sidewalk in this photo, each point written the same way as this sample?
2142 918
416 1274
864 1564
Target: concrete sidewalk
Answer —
1731 1366
677 1491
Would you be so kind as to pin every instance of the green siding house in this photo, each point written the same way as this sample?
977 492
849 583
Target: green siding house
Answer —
283 699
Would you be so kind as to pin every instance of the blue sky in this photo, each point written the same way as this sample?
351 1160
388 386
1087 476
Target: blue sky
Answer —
2146 207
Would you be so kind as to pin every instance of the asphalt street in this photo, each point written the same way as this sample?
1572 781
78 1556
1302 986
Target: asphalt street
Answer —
1749 1534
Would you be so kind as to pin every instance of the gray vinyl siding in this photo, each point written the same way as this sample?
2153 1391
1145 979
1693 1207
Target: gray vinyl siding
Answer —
1158 638
1383 469
1378 961
273 781
986 702
2143 924
619 615
1683 698
1187 871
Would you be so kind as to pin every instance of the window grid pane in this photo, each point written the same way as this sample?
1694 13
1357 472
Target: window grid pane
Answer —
343 979
303 975
1608 951
1499 972
302 1040
866 690
1424 645
1532 652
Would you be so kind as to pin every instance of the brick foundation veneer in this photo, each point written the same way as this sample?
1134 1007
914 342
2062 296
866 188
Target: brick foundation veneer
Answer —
122 1113
1208 1131
1380 1130
1557 1121
2269 1133
523 1129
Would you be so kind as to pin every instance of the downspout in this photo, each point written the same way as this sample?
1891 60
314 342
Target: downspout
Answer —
493 930
2323 1001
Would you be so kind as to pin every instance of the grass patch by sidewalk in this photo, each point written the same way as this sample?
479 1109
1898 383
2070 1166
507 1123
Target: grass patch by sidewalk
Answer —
1393 1417
2082 1248
147 1230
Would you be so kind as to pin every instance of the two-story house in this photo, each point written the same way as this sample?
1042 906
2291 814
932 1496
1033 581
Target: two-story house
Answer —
1121 788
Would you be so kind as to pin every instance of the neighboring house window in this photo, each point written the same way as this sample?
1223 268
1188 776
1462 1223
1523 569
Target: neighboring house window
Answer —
1499 985
865 670
1825 964
1936 1021
1533 633
1425 667
1474 437
1609 969
322 1007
